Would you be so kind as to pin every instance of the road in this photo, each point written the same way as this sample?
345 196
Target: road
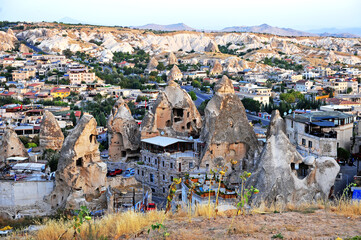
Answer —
348 172
253 117
36 49
201 97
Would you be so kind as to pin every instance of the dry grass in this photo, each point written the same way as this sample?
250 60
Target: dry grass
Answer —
130 224
110 226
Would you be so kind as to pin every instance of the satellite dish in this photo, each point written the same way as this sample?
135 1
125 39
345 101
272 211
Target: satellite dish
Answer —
284 114
162 133
290 111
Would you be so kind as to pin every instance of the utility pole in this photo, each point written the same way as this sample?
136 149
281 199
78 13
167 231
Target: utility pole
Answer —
134 199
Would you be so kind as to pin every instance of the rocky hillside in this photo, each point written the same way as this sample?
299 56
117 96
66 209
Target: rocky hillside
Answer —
102 42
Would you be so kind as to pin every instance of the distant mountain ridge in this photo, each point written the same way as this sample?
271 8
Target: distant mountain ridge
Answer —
263 28
170 27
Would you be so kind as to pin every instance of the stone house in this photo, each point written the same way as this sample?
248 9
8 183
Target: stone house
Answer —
163 159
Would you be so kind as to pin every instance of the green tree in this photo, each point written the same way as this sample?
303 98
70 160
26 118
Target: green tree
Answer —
349 90
102 120
73 118
251 105
343 154
160 67
67 53
196 84
193 95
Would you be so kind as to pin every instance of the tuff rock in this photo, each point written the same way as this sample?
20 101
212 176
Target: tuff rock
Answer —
173 114
11 146
81 175
123 133
175 74
227 133
282 175
51 136
172 59
216 69
212 47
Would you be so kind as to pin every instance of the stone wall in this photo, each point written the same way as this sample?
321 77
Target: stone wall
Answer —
23 193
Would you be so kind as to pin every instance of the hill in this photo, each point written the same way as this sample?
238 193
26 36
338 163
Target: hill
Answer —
170 27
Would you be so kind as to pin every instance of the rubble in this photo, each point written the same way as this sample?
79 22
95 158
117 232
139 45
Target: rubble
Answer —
123 133
81 175
173 114
282 175
51 136
226 131
11 146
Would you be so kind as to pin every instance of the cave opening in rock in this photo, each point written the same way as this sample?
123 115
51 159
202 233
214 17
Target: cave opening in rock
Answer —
300 169
79 162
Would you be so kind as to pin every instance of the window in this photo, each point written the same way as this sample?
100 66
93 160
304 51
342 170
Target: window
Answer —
79 162
291 124
171 165
142 173
303 142
151 177
163 163
309 144
171 178
138 172
155 161
153 190
163 177
163 190
191 165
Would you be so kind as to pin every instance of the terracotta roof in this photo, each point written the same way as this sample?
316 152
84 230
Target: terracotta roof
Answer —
7 93
57 90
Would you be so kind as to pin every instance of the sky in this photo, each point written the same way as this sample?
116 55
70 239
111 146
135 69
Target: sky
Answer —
200 14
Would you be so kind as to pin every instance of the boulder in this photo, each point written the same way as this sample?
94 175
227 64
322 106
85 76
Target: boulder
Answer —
282 175
227 133
172 59
217 69
173 114
51 136
123 133
81 176
11 146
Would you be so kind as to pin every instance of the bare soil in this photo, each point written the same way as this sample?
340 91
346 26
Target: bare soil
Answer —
314 224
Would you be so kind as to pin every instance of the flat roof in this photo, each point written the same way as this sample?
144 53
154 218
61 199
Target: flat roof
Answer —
162 141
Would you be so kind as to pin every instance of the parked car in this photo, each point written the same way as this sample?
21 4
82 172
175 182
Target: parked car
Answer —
118 171
111 174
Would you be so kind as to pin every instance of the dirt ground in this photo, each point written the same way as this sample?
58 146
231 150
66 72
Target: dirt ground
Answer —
289 225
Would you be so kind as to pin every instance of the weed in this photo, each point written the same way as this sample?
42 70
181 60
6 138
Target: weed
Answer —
278 236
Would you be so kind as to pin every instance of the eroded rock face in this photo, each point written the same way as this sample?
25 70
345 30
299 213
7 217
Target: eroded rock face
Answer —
152 65
81 175
24 49
173 113
11 146
7 40
124 135
175 74
226 131
282 175
51 136
216 69
172 59
212 47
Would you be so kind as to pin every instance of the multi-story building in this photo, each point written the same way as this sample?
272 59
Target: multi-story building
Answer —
79 75
320 133
163 159
303 85
23 74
